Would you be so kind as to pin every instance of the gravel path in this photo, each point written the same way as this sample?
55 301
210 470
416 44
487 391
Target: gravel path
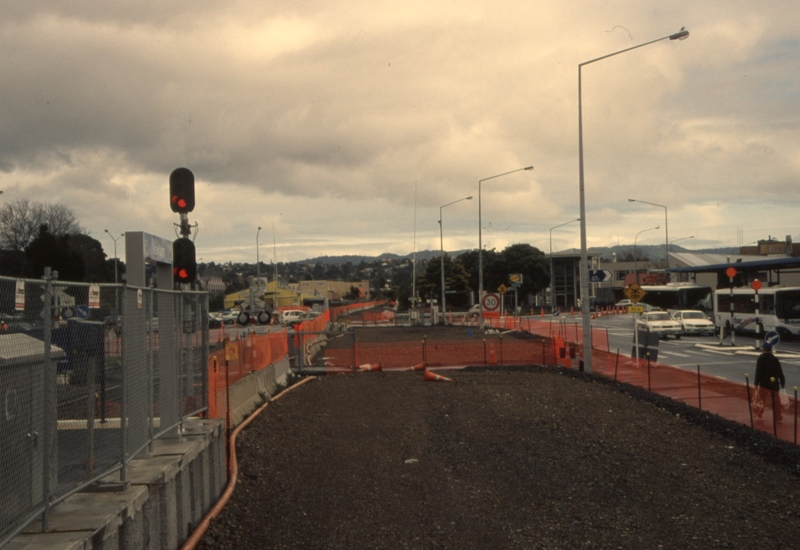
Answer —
503 458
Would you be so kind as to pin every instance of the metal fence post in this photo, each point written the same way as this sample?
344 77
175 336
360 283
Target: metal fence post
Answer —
49 401
699 395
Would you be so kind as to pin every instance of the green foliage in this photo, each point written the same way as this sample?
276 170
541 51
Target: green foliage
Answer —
456 279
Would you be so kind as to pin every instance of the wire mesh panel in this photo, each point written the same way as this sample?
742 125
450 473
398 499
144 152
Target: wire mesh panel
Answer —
138 334
195 353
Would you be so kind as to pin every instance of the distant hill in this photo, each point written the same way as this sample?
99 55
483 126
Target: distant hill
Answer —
355 260
648 252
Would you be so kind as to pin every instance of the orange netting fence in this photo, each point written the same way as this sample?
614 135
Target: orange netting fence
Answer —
238 359
559 343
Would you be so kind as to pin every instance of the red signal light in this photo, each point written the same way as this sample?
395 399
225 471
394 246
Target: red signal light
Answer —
184 264
181 190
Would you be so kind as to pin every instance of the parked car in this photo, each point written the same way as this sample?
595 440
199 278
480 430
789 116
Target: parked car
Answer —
290 317
694 322
475 311
229 317
660 323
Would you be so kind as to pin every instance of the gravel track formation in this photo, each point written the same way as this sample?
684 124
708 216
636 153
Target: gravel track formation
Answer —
519 457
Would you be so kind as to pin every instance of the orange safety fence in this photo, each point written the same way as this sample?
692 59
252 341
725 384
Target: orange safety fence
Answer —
401 355
725 398
344 310
236 360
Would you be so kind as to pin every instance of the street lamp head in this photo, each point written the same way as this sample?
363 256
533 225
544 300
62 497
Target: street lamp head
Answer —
528 168
468 198
631 200
683 34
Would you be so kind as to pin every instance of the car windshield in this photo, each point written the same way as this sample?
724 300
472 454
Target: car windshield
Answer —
693 315
658 317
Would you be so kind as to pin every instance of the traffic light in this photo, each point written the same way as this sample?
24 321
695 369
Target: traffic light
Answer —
184 264
181 190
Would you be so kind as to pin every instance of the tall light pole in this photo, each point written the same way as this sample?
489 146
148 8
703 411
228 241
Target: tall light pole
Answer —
552 278
587 329
441 247
275 259
480 238
635 266
666 226
258 261
116 269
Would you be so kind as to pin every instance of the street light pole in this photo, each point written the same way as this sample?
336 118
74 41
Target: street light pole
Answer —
258 261
480 239
441 247
635 266
666 225
552 274
584 275
116 262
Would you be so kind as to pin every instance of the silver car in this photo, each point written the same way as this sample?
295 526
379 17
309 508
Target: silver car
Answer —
661 323
694 322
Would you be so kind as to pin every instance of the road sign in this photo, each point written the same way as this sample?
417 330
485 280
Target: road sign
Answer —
502 289
82 312
772 338
756 285
515 279
635 293
731 272
635 309
491 301
600 275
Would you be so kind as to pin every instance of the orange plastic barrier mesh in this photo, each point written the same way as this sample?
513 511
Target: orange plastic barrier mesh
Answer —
728 399
238 359
473 352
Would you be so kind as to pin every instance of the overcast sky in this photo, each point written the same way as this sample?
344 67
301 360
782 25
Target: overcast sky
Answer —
342 127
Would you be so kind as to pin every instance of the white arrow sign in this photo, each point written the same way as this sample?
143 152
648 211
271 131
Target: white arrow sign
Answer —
600 275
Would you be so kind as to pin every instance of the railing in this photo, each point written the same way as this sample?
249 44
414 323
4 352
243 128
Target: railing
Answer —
90 375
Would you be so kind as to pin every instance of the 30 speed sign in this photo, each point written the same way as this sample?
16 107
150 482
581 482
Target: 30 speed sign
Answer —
491 301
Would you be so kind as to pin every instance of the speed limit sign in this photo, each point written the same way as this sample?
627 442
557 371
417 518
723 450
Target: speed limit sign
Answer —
491 301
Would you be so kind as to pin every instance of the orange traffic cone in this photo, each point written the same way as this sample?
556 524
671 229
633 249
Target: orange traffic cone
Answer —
492 354
417 367
431 377
572 311
370 368
542 313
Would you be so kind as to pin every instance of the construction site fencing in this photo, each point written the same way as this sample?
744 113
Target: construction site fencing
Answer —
236 359
87 381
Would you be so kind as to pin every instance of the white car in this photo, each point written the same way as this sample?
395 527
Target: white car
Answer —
694 322
661 323
292 316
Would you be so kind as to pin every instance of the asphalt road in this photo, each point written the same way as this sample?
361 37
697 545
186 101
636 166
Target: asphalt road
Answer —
722 360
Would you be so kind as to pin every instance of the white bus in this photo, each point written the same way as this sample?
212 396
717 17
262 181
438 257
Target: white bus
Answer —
674 296
778 310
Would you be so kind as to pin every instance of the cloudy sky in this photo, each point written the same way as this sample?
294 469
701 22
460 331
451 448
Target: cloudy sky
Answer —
342 127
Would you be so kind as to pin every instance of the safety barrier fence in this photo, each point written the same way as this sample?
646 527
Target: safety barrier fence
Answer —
349 309
87 381
560 343
237 359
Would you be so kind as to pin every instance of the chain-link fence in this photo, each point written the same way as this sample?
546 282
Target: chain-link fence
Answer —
90 374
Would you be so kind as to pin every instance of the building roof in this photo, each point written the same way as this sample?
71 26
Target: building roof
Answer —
707 263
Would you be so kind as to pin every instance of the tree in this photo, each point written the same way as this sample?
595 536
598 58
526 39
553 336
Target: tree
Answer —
94 259
456 279
47 250
20 222
531 263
